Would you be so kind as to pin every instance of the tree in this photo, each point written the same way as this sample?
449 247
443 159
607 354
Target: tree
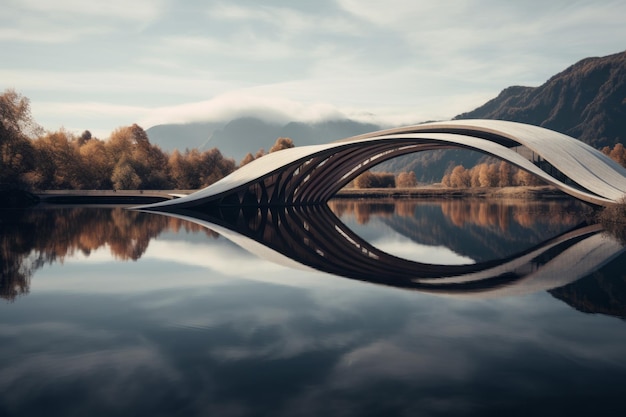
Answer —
406 180
488 175
59 164
148 161
97 169
124 176
259 153
523 177
15 116
618 154
213 167
505 174
84 137
281 143
246 159
16 127
365 180
375 180
181 172
459 177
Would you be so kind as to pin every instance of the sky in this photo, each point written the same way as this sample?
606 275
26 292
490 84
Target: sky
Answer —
99 65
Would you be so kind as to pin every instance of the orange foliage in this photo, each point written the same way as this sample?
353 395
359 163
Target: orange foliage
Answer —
500 174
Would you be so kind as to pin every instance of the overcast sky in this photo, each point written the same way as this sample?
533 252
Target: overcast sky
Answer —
99 65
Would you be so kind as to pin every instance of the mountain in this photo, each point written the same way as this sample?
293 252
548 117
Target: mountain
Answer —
586 101
183 136
237 137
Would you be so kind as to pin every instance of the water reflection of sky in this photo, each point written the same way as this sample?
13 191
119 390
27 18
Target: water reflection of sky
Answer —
239 347
197 326
388 240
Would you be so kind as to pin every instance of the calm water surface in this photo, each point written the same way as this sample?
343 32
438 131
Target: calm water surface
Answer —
449 308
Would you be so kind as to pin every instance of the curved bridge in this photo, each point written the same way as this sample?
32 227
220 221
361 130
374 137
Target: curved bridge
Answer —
313 174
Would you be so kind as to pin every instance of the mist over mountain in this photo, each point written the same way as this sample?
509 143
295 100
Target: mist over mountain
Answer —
586 101
183 136
244 135
237 137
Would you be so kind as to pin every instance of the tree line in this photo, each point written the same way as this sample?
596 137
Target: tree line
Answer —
494 174
34 159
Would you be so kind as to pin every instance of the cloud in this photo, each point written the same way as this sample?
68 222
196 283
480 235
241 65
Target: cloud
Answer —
140 10
389 63
73 21
405 248
43 32
228 106
287 20
392 13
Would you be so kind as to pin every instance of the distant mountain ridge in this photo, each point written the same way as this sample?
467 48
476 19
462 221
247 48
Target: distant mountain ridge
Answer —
248 134
239 136
586 101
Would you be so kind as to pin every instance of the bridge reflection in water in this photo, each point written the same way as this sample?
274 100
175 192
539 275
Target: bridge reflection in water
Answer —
314 237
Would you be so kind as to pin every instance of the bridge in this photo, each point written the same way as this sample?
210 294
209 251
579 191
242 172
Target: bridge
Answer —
310 175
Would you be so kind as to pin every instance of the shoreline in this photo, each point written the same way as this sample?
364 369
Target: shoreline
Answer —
521 192
130 197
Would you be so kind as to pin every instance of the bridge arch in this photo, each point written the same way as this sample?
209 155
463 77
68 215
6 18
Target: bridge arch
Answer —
313 174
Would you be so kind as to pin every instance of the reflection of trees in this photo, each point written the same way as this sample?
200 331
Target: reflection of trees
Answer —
30 239
485 213
362 212
501 213
15 244
477 228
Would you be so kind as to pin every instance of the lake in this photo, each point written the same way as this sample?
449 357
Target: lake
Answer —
358 308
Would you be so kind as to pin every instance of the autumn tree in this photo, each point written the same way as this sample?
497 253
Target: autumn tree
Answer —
96 165
488 175
459 177
370 179
259 153
118 146
212 166
364 180
505 174
523 177
124 176
281 143
58 162
181 172
16 127
500 174
246 159
406 180
147 161
84 137
617 153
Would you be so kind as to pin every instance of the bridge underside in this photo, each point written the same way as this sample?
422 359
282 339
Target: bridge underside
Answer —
313 174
